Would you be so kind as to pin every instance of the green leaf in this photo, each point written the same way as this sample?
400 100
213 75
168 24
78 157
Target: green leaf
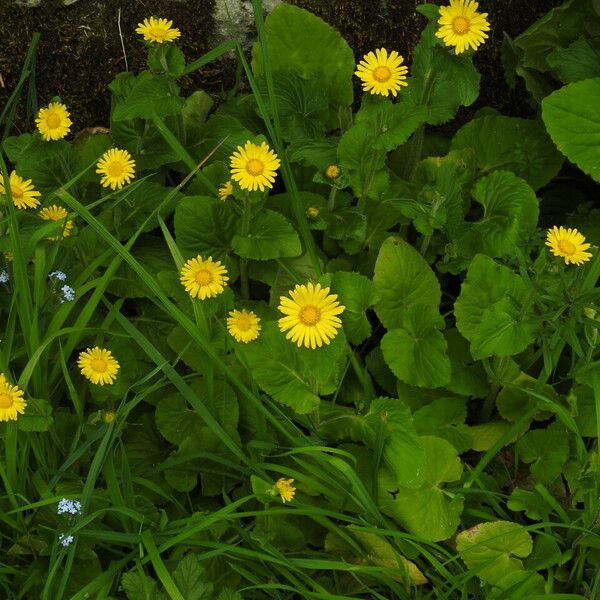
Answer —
188 577
572 118
37 416
176 420
391 123
416 352
491 548
48 165
205 226
580 60
547 450
297 42
444 418
510 214
357 294
362 163
402 279
293 376
468 377
166 58
138 586
271 235
520 145
302 106
427 511
376 552
149 94
490 310
440 81
195 110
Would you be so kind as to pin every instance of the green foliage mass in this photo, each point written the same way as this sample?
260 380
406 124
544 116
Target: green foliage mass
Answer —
439 441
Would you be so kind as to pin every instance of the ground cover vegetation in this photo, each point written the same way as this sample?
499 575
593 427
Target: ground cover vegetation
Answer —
299 344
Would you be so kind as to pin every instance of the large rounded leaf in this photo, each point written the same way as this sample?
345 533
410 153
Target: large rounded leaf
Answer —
491 548
416 352
301 43
572 118
490 310
402 278
510 214
427 511
518 145
271 235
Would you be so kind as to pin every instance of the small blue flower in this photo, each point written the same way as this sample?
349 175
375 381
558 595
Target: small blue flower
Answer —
73 507
4 277
68 294
59 275
65 540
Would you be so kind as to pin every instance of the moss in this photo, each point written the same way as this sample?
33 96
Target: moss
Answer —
80 50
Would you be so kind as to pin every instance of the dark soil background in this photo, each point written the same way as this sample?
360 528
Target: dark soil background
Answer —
80 49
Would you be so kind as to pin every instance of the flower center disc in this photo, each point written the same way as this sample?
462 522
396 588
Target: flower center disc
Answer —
310 314
99 365
382 74
53 121
567 247
6 400
254 166
16 192
115 169
460 25
243 323
203 277
157 33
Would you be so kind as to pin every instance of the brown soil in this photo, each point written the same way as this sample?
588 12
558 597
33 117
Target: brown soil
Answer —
80 49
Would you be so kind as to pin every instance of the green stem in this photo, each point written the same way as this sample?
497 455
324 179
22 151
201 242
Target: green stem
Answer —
244 261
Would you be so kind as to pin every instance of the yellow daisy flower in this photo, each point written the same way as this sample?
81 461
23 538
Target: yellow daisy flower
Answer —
333 171
158 30
203 278
253 167
23 193
98 365
226 190
462 26
53 121
286 489
11 400
243 325
382 73
116 167
568 244
57 213
311 315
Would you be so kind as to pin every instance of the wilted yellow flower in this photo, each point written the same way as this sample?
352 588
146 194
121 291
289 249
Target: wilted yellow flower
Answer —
203 278
312 212
108 416
462 26
53 122
226 190
311 315
57 213
243 326
11 400
286 489
98 365
23 193
568 244
382 73
158 30
253 167
116 167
